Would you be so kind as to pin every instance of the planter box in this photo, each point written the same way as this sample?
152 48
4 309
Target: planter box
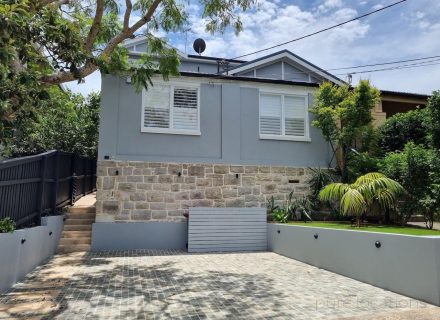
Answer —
17 259
409 265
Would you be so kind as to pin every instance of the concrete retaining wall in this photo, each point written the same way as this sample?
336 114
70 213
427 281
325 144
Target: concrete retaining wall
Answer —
17 259
408 265
139 235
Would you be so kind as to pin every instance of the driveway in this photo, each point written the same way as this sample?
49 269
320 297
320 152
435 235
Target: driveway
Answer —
146 284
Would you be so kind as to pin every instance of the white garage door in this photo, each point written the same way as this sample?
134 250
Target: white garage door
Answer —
227 229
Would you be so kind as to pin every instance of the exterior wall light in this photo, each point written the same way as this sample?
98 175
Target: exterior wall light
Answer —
378 244
236 175
315 236
50 233
179 174
23 241
279 231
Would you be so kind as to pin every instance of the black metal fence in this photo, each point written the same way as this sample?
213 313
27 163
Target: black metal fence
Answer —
35 186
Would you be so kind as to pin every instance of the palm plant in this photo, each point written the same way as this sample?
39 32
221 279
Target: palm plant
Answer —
358 197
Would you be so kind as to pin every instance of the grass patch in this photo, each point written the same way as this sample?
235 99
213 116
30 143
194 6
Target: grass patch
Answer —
414 231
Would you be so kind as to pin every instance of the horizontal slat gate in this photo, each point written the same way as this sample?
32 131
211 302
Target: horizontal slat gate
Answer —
227 229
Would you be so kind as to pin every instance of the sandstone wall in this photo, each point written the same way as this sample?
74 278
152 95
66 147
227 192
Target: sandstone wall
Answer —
132 191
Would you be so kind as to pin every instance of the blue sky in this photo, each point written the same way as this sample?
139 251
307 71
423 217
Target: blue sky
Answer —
406 31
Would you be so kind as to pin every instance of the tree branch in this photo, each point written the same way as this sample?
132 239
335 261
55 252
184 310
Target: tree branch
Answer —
62 77
127 14
55 2
94 29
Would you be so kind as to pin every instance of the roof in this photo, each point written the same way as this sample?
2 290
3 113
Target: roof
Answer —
406 94
290 56
249 79
196 56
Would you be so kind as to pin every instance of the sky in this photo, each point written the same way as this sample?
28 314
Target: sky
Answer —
409 30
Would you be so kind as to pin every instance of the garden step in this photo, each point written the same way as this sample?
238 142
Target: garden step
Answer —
88 209
78 227
75 241
76 234
73 248
76 222
80 215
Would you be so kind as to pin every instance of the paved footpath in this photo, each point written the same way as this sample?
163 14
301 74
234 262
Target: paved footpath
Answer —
146 284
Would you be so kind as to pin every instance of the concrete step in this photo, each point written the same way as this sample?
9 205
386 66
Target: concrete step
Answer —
88 209
80 215
85 227
73 248
75 241
76 234
77 222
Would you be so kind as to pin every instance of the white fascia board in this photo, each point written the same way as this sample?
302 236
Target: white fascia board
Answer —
288 56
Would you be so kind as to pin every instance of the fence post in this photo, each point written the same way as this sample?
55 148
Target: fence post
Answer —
85 175
41 188
73 180
55 182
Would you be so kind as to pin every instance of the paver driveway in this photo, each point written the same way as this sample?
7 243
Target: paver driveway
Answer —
149 284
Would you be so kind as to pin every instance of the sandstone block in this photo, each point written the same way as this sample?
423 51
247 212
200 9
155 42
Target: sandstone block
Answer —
127 186
221 169
127 171
155 196
135 179
235 202
236 169
213 193
198 171
111 206
138 196
198 194
141 215
231 179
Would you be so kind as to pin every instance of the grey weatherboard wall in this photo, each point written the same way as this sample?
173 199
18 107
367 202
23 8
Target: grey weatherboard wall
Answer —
229 130
409 265
18 259
139 235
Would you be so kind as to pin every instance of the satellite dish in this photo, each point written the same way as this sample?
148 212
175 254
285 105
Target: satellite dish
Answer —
199 45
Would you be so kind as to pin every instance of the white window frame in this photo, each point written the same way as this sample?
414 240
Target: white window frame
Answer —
172 85
283 136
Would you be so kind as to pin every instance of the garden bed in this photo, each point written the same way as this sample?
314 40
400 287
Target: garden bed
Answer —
406 230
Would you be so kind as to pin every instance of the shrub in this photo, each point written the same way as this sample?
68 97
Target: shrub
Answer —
7 225
280 215
401 128
360 164
418 170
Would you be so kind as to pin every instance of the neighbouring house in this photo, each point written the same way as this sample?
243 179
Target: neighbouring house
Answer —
226 133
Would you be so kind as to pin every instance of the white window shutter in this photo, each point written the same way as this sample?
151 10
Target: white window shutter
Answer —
270 114
294 116
185 109
157 107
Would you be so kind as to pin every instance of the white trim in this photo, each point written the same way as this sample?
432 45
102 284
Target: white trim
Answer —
288 56
284 138
171 131
172 85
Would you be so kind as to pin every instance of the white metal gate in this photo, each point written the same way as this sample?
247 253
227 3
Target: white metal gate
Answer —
227 229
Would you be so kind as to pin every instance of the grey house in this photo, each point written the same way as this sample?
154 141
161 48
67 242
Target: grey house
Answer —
226 133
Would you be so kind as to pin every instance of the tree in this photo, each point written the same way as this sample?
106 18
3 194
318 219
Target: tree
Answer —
64 40
401 128
66 121
344 116
358 197
417 169
49 42
434 119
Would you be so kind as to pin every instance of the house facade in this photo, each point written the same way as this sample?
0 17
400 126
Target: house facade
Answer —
226 133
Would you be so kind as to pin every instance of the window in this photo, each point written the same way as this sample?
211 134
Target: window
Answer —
283 117
171 109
